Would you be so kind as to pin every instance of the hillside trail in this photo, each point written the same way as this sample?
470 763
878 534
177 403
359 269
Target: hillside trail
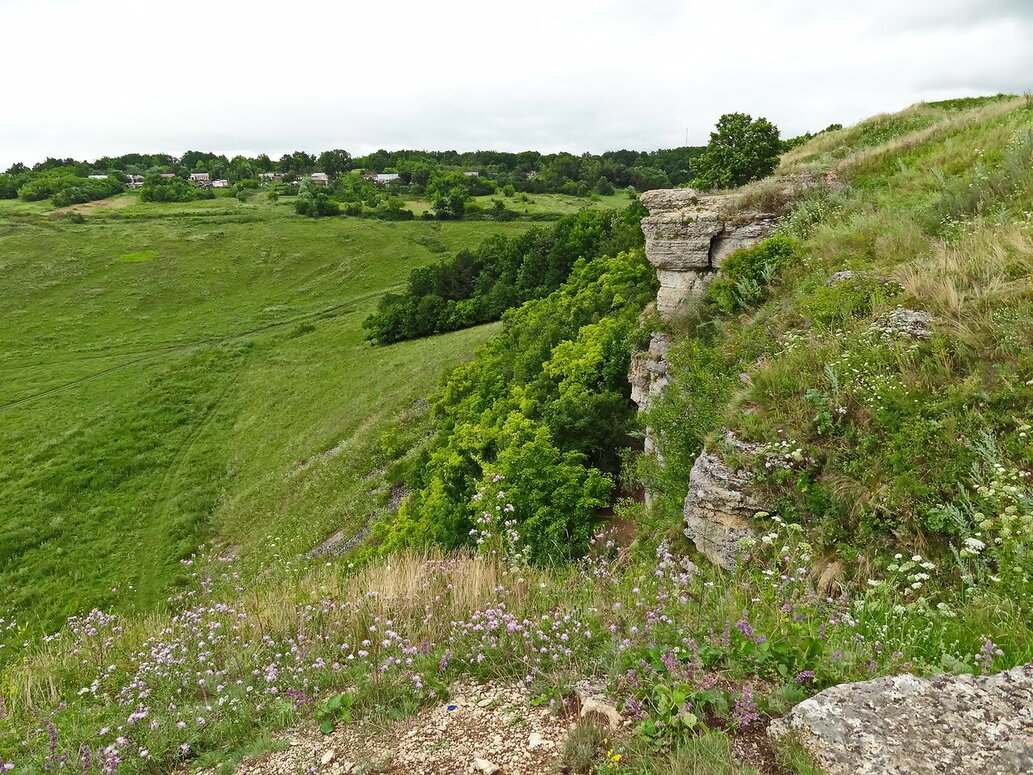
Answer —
479 729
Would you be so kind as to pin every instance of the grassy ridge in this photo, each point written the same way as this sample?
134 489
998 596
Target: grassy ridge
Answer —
164 370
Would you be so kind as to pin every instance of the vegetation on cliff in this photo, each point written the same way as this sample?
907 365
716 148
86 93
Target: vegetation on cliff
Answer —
535 422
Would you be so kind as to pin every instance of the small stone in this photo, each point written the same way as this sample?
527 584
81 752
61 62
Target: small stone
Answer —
328 757
485 702
595 706
485 766
535 741
842 277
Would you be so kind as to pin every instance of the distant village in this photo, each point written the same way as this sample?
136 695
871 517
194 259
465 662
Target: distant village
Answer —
204 180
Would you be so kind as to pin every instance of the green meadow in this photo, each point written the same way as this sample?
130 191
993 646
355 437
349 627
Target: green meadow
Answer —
183 375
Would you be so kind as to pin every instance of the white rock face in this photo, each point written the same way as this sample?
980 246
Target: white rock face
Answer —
649 371
688 236
718 509
964 725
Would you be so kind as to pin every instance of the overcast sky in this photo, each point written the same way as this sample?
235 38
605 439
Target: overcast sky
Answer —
84 78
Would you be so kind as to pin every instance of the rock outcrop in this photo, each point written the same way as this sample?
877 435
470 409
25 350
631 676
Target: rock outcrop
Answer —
964 725
688 236
649 371
719 510
905 323
648 377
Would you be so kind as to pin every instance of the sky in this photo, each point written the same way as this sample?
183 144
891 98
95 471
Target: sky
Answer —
86 78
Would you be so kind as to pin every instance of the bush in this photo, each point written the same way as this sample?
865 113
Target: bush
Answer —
64 188
8 187
86 190
158 189
315 203
746 274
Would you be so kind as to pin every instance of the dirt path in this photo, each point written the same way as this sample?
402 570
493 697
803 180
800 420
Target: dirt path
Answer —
490 729
111 203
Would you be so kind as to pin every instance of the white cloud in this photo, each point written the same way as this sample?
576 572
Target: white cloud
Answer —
112 76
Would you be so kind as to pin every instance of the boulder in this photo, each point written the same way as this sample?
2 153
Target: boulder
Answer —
719 509
964 725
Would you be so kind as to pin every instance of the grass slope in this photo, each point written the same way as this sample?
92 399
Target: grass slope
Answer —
164 370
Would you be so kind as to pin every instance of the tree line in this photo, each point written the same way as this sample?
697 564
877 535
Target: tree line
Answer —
478 286
740 149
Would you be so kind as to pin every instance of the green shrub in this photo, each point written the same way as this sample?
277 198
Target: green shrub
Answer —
158 189
831 307
747 273
315 203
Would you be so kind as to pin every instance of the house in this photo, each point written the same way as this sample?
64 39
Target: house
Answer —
220 184
320 178
167 175
383 178
135 181
202 179
472 174
270 177
98 177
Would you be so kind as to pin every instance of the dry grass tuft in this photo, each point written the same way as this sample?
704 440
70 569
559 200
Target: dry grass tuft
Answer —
963 284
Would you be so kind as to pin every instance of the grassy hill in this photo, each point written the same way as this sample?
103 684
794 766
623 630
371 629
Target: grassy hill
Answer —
166 368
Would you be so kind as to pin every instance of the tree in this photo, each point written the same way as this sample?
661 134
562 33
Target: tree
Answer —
8 187
647 178
315 203
335 162
450 205
740 150
158 189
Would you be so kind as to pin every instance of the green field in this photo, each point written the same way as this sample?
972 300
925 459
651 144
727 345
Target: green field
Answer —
173 375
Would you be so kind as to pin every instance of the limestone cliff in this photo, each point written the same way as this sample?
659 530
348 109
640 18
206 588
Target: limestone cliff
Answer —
688 235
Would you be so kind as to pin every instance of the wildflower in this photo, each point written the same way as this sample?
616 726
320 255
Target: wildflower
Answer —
973 546
745 711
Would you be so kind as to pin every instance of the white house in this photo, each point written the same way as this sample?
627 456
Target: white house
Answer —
320 178
202 179
383 178
97 177
220 184
135 181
